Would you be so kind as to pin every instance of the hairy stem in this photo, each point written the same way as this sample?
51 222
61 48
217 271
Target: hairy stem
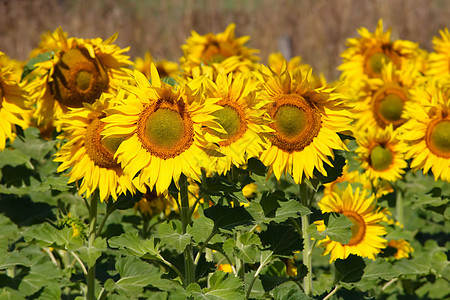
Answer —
189 275
92 235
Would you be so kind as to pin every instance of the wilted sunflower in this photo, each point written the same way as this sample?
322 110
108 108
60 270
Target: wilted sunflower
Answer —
245 124
366 240
402 248
306 121
78 72
163 132
13 109
439 61
89 155
217 48
427 135
381 153
165 68
365 55
385 99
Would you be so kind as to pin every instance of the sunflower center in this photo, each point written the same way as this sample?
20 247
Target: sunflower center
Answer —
296 122
381 158
101 151
377 60
438 137
165 130
388 103
231 118
78 78
358 228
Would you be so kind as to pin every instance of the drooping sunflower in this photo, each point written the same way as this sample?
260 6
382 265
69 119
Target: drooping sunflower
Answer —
439 61
365 55
13 108
163 130
245 124
89 156
217 48
78 72
402 248
306 121
366 240
381 153
165 68
427 134
384 100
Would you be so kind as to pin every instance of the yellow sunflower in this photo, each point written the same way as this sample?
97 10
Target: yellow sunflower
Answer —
216 48
366 240
384 100
245 124
402 248
439 61
89 156
165 68
365 55
163 130
306 121
427 135
78 72
381 153
13 109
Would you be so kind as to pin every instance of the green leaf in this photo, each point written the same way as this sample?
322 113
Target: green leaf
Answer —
51 292
374 272
257 291
10 259
350 269
223 286
274 207
227 218
281 239
32 145
8 233
135 274
338 229
246 248
288 291
30 66
201 228
41 274
90 254
48 236
170 235
135 245
13 157
334 171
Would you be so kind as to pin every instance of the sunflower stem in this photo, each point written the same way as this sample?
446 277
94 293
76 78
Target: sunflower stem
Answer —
189 271
307 281
400 208
92 236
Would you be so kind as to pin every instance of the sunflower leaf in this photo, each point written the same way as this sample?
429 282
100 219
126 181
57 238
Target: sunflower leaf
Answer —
135 245
223 286
350 269
338 229
227 218
289 290
170 234
30 66
282 239
90 254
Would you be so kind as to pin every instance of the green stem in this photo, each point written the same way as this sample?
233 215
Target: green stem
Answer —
189 276
400 208
307 281
262 264
336 288
92 236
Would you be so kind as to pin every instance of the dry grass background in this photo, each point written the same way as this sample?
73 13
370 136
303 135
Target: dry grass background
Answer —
314 29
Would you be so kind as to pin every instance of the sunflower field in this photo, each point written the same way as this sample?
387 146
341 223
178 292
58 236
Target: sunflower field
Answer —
219 176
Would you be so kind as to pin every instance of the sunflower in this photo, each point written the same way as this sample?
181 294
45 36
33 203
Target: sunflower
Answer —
384 99
439 61
153 204
306 121
13 109
217 48
427 134
78 72
365 56
246 126
163 130
165 68
366 240
402 248
91 157
381 153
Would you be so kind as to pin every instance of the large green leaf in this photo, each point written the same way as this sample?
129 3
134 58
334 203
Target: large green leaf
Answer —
41 274
8 233
170 234
247 247
281 239
90 253
135 245
10 259
227 218
32 145
374 272
223 286
288 291
49 236
338 229
350 269
274 207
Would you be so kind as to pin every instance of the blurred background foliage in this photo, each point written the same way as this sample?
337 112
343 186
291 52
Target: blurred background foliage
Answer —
313 29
